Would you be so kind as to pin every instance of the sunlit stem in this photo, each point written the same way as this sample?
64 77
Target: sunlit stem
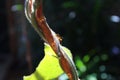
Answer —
34 13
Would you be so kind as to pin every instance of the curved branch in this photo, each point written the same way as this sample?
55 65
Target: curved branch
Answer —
34 13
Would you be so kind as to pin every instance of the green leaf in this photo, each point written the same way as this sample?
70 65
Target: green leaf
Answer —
49 68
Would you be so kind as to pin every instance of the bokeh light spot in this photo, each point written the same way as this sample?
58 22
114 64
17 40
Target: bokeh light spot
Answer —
72 15
96 59
91 77
104 57
86 58
115 50
102 68
63 77
103 76
17 7
115 18
80 65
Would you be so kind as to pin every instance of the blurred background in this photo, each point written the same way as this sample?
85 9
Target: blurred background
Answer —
89 28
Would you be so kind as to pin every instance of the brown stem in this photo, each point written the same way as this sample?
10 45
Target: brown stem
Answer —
53 41
48 34
51 38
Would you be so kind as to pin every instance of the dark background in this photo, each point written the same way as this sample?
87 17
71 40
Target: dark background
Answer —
89 28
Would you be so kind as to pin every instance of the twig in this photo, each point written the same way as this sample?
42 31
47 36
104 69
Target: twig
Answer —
34 13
